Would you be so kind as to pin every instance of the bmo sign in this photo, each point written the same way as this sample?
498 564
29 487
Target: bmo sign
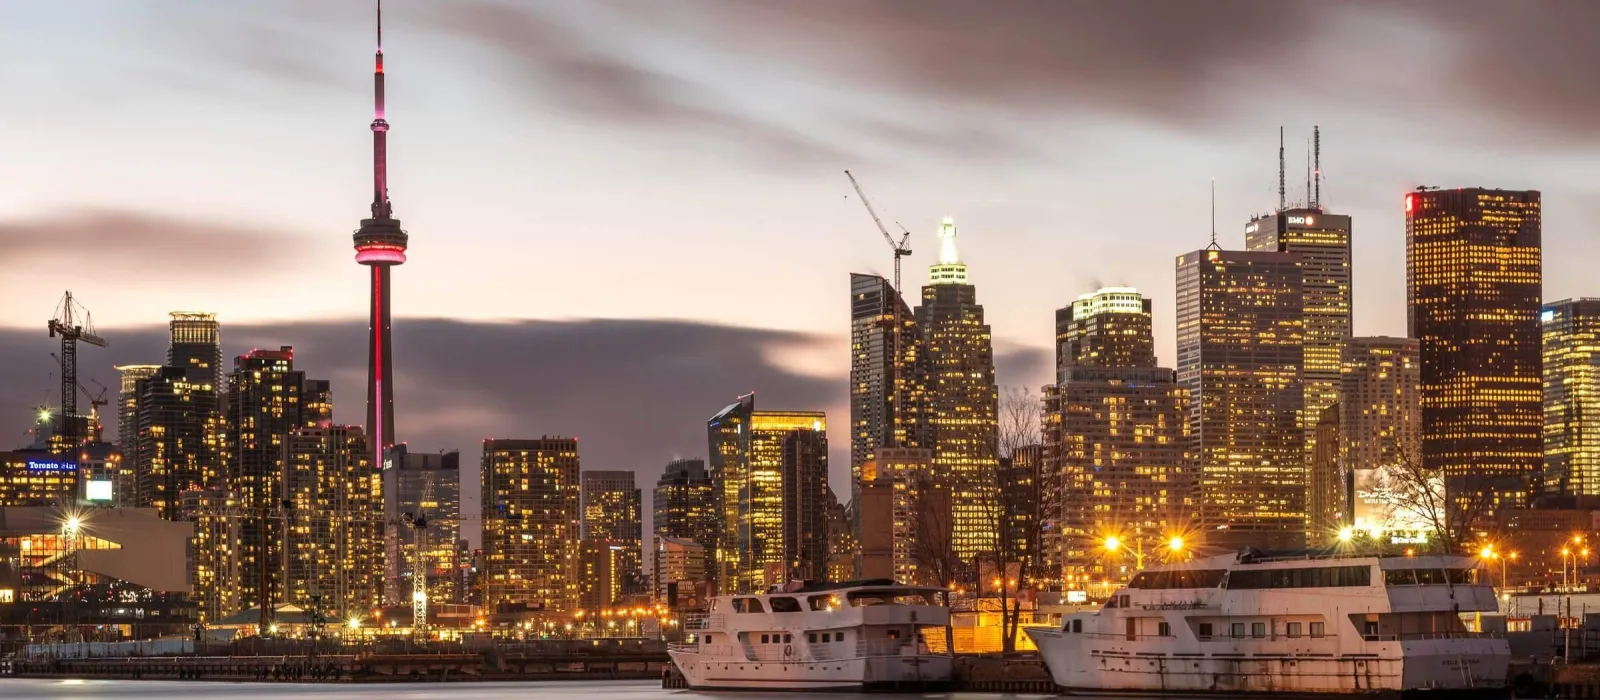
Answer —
1303 220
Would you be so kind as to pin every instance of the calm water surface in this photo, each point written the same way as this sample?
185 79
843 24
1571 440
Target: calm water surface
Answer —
32 689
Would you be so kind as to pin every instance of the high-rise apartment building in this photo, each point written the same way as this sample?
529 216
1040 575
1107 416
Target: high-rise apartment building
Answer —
1240 328
1020 500
1473 289
602 573
531 515
1571 346
196 347
771 474
1322 241
1106 328
963 399
680 567
335 502
892 542
612 508
426 484
262 407
888 387
215 568
178 445
684 503
128 404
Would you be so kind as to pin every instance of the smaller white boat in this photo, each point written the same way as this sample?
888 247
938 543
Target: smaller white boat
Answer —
858 635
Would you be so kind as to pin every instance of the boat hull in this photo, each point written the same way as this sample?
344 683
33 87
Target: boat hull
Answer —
1445 668
887 673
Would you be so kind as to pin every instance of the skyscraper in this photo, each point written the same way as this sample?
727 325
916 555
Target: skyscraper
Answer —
888 392
1020 499
727 444
408 480
685 505
1473 289
963 398
1380 421
1327 501
601 573
196 347
1572 397
335 501
178 444
771 471
896 484
263 406
1107 328
1322 241
612 513
1240 327
531 513
380 245
124 483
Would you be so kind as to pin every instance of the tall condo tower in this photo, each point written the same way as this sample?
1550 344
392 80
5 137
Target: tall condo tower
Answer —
380 245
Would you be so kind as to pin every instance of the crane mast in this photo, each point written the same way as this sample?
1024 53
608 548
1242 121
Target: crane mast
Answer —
73 324
419 574
900 249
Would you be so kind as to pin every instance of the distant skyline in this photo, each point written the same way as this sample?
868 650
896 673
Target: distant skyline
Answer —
591 184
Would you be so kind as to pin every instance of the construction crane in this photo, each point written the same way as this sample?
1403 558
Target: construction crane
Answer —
901 249
419 572
73 323
95 400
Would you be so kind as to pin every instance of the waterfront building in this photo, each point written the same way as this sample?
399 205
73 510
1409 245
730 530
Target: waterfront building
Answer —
1571 347
37 478
602 572
1380 420
424 484
262 407
611 512
531 515
215 567
1473 293
179 442
335 506
727 440
680 572
1240 328
963 399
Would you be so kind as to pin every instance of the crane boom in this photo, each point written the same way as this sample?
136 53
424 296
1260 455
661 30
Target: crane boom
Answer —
74 325
901 249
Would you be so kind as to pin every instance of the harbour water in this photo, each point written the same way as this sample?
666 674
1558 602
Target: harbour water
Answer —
55 689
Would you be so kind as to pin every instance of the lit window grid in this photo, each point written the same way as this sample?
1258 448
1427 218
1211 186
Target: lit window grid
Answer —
530 525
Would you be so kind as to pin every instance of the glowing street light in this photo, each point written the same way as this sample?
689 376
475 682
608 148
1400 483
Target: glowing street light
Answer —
354 623
1175 544
1346 534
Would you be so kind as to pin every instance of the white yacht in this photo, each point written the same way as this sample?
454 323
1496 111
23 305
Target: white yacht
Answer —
860 635
1276 623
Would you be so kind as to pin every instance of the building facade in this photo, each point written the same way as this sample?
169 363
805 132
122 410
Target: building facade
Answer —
684 504
892 542
770 470
531 516
262 407
963 399
429 485
1240 332
680 572
1327 494
1571 348
1473 291
1322 241
336 508
727 445
1380 420
37 478
179 441
612 508
888 387
1107 328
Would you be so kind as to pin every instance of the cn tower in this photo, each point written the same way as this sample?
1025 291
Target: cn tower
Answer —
380 245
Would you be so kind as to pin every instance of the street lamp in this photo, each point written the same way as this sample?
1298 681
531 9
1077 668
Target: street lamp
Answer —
1346 534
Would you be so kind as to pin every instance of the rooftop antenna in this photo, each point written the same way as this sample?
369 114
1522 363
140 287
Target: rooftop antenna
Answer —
1308 175
1282 200
1213 245
1316 164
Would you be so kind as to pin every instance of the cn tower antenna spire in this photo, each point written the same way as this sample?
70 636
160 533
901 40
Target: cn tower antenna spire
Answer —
380 130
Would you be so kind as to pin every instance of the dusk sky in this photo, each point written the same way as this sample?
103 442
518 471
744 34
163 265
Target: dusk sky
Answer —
623 214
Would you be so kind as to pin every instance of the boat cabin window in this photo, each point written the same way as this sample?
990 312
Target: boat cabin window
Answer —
1293 629
1077 625
821 602
784 605
748 605
1111 603
707 638
1163 629
1258 629
1430 577
1236 630
1189 578
1205 630
1312 577
866 598
1316 629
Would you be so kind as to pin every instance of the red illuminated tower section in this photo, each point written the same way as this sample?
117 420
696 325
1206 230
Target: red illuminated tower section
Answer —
380 245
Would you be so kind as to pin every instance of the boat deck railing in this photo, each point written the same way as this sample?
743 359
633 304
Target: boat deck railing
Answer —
797 652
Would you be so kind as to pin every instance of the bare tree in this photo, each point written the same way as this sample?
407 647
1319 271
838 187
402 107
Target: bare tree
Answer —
1416 495
1018 428
933 546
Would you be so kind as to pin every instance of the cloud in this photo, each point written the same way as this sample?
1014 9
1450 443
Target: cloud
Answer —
555 61
150 243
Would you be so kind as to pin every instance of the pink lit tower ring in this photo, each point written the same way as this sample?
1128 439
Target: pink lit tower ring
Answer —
380 245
